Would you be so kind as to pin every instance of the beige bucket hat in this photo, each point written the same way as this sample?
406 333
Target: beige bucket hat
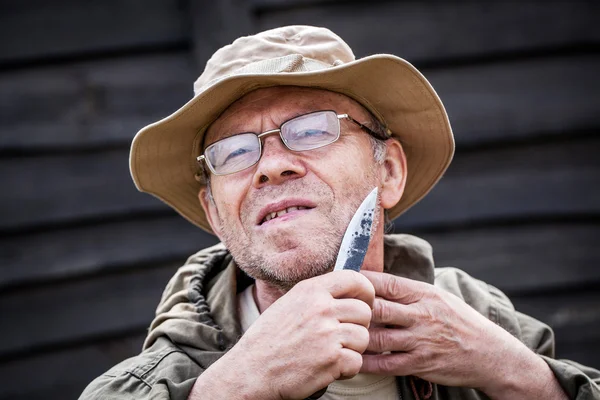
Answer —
163 154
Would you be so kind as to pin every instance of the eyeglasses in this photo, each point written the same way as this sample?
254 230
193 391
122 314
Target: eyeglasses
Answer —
305 132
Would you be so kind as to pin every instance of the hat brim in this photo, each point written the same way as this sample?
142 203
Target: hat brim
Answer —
163 154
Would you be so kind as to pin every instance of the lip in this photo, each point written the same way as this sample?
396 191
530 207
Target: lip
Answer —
280 205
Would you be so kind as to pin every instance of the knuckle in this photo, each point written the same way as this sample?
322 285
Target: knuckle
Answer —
331 358
366 313
364 283
350 364
411 342
363 337
386 364
393 287
379 339
423 359
383 311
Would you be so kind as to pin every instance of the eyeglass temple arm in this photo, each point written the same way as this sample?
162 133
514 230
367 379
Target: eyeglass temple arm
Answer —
365 128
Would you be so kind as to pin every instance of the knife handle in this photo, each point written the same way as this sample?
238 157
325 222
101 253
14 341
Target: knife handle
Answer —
318 394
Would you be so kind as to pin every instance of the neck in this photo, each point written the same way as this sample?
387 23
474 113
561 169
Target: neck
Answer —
266 294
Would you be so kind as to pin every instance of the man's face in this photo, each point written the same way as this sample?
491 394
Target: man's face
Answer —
327 184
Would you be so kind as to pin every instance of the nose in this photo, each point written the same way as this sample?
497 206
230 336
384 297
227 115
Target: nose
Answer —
277 163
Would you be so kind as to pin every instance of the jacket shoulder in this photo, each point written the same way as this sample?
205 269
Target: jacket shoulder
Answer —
161 372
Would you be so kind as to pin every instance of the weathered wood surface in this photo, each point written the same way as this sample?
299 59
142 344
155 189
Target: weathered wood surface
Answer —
37 29
90 104
50 189
426 32
527 182
63 373
519 100
574 314
104 103
218 23
98 248
523 258
81 310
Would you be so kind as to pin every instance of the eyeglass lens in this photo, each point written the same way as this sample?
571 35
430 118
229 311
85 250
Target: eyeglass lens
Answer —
306 132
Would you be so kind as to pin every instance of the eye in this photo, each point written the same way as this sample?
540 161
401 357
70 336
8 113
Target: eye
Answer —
239 152
310 133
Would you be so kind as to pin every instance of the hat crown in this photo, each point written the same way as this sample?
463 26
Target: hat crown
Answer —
282 50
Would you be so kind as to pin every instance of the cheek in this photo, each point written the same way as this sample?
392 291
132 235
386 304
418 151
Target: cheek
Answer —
348 167
228 196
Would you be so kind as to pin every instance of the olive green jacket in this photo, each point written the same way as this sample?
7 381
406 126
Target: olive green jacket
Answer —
196 323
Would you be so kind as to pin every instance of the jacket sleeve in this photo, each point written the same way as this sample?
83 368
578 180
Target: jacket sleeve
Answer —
162 372
130 387
578 381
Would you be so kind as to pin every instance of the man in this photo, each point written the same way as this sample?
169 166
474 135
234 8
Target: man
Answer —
285 137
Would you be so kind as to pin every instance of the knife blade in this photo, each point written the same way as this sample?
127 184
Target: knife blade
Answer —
355 244
358 235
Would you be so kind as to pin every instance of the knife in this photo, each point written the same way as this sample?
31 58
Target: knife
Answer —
355 245
358 234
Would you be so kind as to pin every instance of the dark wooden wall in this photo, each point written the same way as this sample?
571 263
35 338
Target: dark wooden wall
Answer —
84 257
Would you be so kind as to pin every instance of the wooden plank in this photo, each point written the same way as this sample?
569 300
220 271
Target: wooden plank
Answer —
64 373
98 248
99 103
553 180
38 29
520 257
434 31
534 181
81 310
106 103
216 24
574 315
84 185
514 101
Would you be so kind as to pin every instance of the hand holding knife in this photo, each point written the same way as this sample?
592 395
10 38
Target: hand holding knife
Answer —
355 244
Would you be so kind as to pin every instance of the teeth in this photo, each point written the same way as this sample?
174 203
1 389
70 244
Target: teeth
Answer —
276 214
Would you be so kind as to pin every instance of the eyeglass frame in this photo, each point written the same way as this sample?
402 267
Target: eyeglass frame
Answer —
259 136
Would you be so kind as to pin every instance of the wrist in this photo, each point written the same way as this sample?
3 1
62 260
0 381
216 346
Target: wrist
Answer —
525 376
230 377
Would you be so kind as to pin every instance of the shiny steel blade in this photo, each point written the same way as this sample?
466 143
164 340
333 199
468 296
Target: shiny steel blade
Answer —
358 234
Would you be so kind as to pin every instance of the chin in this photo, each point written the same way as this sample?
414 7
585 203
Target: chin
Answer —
284 267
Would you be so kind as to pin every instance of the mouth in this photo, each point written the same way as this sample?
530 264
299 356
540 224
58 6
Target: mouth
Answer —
283 210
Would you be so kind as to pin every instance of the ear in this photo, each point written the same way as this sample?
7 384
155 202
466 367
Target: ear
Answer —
393 174
210 209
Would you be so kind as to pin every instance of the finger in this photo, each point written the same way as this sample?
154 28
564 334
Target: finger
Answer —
354 337
392 313
399 364
391 339
348 284
352 311
349 363
403 290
